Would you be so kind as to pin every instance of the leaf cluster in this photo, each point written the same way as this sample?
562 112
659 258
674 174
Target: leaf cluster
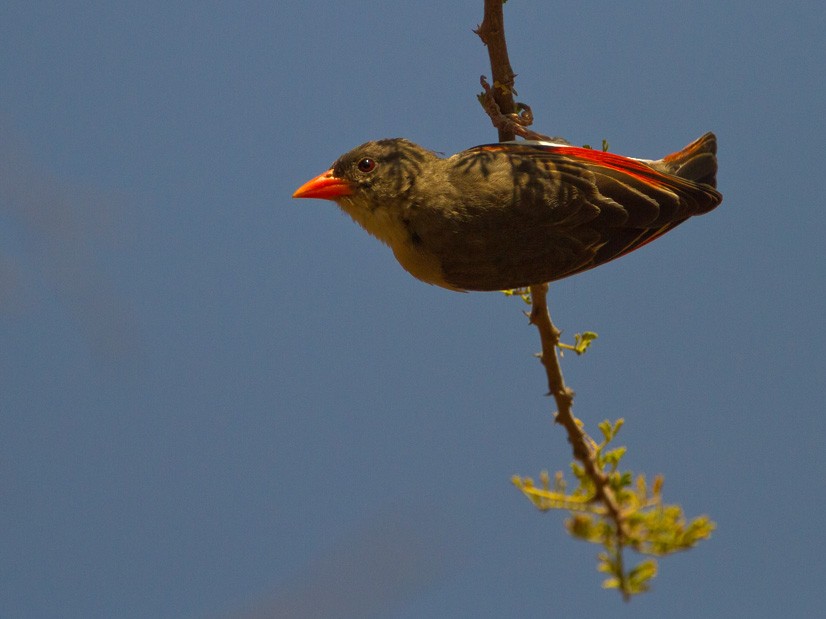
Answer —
648 526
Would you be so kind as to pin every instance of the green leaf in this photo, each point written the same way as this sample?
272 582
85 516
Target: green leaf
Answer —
613 456
583 341
607 430
611 583
644 571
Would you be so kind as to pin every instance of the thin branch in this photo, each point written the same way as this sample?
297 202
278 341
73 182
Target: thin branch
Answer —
510 117
499 103
583 446
492 33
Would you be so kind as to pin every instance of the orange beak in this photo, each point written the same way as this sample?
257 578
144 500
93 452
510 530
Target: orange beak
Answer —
324 186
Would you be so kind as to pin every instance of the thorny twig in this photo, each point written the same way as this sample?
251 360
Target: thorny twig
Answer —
583 446
511 119
515 122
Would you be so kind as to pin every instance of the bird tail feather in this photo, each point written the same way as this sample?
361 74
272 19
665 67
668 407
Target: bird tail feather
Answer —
696 162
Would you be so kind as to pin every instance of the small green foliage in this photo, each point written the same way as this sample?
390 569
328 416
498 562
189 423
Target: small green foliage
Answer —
635 581
522 293
604 146
646 525
610 430
581 342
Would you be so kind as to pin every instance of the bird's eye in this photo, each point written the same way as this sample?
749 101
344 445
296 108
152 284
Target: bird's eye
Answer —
366 165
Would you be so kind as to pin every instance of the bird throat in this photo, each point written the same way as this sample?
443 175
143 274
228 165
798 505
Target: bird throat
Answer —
386 224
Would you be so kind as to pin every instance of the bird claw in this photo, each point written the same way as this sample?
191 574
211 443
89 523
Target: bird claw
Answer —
516 122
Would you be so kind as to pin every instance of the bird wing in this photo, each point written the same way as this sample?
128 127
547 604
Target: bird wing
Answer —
635 202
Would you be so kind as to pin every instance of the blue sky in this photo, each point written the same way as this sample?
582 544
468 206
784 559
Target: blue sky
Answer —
216 401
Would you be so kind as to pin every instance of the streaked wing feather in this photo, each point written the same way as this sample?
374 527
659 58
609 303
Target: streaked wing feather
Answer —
578 208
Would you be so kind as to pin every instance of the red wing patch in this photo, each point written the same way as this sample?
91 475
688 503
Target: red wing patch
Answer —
589 157
626 165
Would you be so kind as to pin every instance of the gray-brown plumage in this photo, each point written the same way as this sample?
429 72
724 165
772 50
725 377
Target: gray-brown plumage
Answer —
510 215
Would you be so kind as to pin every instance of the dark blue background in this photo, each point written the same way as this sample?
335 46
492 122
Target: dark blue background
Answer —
216 401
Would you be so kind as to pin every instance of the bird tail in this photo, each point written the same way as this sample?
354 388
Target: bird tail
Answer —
696 162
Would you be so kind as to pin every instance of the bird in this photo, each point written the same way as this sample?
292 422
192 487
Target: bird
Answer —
511 215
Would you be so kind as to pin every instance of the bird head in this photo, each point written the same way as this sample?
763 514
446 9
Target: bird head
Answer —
374 172
372 183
